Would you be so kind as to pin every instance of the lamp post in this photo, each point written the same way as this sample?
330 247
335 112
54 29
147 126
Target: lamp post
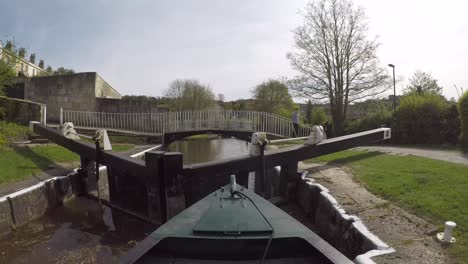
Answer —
394 90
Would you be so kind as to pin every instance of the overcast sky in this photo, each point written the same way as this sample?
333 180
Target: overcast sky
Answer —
140 46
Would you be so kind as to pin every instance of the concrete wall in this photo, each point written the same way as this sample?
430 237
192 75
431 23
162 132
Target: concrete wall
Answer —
71 92
20 111
345 232
23 206
128 106
104 90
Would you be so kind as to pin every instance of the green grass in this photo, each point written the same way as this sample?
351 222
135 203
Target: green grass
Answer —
202 136
435 190
21 162
122 147
10 132
127 140
288 143
18 163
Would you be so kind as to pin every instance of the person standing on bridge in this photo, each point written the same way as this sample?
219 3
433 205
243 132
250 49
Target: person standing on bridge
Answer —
295 121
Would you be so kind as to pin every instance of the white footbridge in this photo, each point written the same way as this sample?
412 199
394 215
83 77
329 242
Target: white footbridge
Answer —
156 124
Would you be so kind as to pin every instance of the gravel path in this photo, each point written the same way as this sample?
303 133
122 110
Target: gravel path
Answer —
454 156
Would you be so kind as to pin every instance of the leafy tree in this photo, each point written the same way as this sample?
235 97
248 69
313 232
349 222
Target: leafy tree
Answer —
463 110
318 116
22 52
7 74
9 45
32 58
190 95
49 70
336 61
423 82
62 71
273 96
308 111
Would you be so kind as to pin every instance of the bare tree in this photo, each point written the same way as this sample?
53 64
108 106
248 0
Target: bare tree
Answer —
423 82
335 59
175 92
190 95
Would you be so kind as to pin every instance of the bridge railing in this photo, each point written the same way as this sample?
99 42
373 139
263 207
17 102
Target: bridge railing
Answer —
159 123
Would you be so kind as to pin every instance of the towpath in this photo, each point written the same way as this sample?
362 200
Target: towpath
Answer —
412 237
450 155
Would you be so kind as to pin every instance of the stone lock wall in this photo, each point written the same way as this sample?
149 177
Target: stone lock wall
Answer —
345 232
20 111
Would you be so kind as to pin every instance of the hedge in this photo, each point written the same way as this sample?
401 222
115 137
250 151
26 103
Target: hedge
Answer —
463 109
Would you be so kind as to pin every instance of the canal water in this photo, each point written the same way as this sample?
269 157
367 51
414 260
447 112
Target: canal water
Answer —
80 232
83 232
207 149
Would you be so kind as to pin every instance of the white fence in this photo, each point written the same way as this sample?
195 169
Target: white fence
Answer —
159 123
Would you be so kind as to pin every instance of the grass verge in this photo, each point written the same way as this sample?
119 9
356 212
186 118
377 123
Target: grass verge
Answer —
435 190
18 163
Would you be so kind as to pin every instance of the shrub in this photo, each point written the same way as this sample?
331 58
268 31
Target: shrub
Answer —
371 121
419 119
463 109
451 124
319 117
10 132
2 113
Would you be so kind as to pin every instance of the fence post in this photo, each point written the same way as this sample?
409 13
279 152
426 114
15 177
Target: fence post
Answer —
61 116
43 114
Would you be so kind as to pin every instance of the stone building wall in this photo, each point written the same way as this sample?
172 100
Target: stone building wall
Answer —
76 92
126 105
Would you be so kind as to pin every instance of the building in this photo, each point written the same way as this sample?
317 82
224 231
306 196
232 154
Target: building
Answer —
77 92
23 67
85 91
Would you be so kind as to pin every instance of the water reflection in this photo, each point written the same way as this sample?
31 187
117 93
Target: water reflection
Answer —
202 150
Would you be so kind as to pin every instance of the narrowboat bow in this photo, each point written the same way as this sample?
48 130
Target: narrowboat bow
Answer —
233 225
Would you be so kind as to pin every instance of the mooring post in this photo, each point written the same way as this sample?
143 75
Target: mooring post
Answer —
78 181
288 175
154 208
172 194
257 148
243 178
162 185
